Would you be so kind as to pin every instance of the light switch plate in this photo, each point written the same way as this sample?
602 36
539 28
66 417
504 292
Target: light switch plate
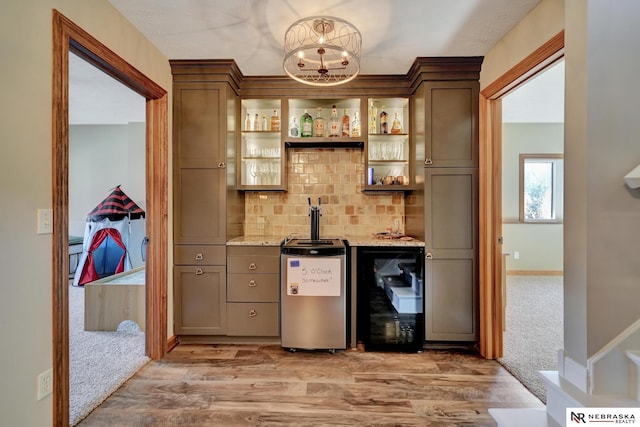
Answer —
45 221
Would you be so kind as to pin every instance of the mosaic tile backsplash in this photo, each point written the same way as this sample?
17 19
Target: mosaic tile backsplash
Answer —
336 176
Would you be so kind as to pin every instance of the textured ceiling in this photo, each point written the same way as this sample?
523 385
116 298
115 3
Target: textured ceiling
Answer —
251 32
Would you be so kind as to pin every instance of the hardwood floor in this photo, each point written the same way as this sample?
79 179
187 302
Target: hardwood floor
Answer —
252 385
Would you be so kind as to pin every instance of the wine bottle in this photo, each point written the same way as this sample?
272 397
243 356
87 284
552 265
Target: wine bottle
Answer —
334 124
319 124
275 122
383 121
355 125
345 123
306 123
396 127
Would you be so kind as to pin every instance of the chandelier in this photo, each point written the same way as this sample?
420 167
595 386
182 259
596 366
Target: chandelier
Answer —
322 51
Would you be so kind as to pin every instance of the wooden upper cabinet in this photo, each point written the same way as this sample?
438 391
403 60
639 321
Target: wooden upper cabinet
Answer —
450 123
200 123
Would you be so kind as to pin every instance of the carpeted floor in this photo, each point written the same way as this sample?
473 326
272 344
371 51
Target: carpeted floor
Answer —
99 362
534 334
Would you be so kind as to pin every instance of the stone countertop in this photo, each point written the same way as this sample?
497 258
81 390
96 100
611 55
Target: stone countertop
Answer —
353 241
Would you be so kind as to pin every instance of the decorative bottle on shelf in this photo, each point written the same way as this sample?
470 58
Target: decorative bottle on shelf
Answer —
373 118
334 124
256 122
264 123
383 121
355 125
247 122
396 127
306 125
294 130
275 122
345 123
319 124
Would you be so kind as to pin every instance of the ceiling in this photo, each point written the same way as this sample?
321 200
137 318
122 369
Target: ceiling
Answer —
251 32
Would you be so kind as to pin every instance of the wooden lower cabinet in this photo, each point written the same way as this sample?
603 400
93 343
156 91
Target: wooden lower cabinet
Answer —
200 300
253 291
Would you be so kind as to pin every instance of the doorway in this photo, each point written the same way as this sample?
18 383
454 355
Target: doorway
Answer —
69 37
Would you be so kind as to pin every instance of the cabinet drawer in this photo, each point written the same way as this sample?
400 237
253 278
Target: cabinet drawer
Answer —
253 264
253 319
199 255
253 287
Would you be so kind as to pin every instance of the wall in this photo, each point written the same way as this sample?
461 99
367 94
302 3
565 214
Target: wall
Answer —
26 182
539 245
337 177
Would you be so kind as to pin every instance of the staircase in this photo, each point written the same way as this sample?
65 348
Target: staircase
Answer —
610 379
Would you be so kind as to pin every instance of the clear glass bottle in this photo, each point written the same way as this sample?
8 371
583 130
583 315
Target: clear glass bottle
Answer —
294 129
345 123
355 125
306 125
247 122
264 123
396 127
256 122
334 124
275 122
384 128
318 124
373 118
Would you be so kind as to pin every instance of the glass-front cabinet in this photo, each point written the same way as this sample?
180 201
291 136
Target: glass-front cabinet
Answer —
261 151
387 156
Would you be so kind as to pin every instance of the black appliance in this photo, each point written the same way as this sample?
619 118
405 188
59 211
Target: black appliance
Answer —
390 305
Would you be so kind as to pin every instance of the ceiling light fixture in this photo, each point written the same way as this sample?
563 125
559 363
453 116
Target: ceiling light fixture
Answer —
322 51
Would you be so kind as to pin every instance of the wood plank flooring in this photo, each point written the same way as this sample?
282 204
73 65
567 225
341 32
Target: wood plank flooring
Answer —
254 385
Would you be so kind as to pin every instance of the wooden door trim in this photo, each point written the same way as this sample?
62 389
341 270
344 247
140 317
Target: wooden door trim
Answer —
491 317
67 36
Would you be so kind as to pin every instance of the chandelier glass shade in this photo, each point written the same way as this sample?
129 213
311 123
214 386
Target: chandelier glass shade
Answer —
322 51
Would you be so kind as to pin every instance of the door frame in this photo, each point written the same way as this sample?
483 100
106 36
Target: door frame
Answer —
67 37
491 258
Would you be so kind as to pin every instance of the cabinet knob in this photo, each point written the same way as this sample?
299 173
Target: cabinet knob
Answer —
199 271
252 283
199 257
253 313
429 255
222 165
253 266
428 162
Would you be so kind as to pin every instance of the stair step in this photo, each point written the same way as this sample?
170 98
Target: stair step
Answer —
521 417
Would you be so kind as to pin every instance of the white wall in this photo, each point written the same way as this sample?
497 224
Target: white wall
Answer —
539 245
26 183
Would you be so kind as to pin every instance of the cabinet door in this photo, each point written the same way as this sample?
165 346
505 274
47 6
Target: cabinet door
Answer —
451 246
200 300
451 123
200 120
200 206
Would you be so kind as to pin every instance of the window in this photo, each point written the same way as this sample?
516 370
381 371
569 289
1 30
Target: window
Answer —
541 177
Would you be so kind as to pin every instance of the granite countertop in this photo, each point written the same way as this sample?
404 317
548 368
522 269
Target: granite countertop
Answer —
353 241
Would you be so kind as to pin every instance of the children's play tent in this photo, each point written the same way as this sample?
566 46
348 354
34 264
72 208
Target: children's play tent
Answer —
107 237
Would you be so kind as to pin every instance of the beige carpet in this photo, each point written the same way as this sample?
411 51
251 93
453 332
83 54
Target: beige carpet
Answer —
534 334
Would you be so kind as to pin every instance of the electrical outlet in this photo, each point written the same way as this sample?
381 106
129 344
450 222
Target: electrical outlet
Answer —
516 255
45 383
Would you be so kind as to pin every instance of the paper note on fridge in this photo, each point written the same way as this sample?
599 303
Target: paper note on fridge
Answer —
314 277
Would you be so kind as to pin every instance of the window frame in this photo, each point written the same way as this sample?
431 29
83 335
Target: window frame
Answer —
557 187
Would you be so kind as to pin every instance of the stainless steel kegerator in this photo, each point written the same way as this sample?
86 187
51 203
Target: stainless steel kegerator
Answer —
313 295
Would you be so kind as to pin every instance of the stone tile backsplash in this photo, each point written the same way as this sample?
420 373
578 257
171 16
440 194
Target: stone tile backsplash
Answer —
336 176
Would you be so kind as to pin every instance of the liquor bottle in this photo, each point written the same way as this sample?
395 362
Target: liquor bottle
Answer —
264 123
383 121
319 124
396 127
306 125
373 118
256 122
294 130
345 123
247 122
355 125
275 122
334 124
